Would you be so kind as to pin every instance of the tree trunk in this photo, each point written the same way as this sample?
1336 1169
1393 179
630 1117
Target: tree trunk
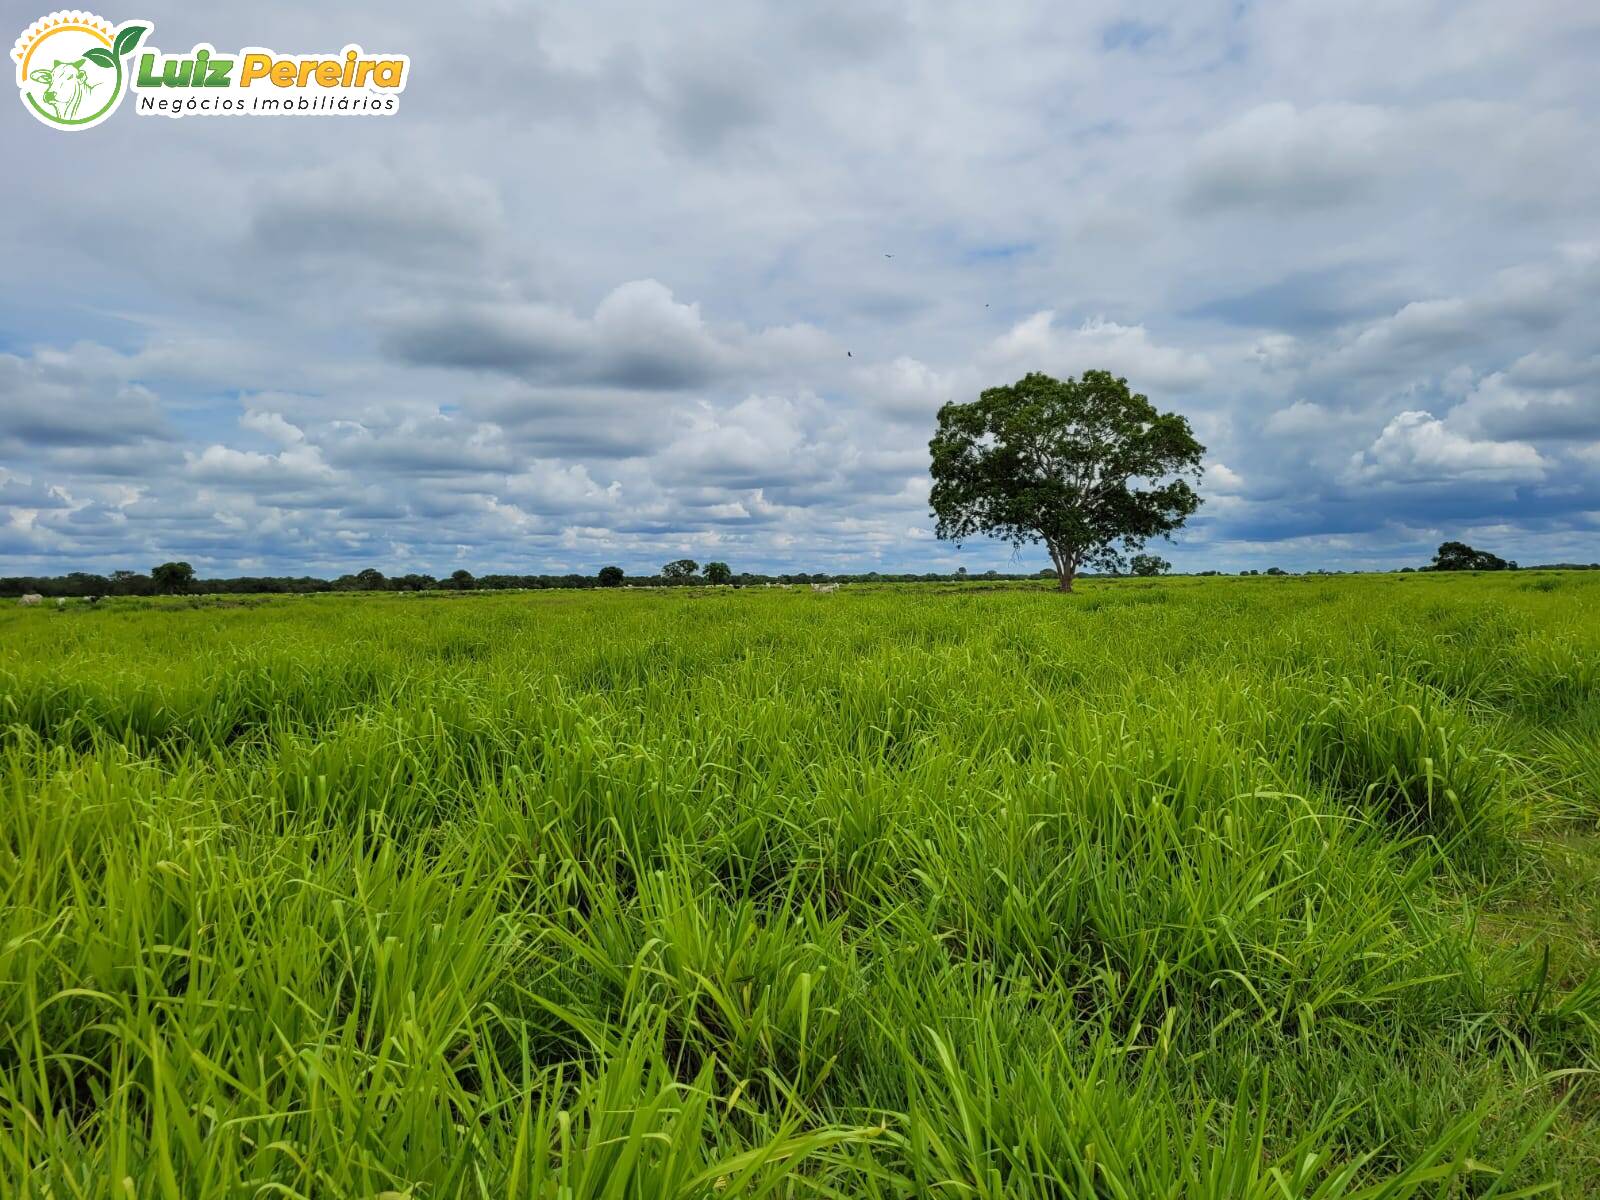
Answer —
1065 566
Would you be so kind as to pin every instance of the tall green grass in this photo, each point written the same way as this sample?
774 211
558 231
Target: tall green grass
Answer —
1194 888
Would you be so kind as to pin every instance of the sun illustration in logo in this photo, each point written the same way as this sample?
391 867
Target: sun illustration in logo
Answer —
70 67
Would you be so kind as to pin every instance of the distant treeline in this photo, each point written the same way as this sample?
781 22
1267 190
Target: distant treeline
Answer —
136 583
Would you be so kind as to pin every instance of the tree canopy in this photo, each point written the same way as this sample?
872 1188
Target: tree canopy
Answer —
610 576
1458 556
680 568
718 572
172 577
1149 564
1082 465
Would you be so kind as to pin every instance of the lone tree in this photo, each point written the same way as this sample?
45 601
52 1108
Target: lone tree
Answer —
462 580
610 576
1075 463
172 578
1458 556
680 569
1149 564
718 572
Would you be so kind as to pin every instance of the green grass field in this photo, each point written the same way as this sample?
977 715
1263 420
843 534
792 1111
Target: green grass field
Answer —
1217 887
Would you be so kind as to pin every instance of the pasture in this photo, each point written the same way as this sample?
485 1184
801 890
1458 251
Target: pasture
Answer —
1183 888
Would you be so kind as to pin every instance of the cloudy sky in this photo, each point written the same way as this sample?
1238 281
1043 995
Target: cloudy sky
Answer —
616 285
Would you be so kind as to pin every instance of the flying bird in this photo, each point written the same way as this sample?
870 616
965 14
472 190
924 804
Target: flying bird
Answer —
888 256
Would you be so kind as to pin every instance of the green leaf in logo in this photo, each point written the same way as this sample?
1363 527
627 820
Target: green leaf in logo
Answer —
128 39
100 57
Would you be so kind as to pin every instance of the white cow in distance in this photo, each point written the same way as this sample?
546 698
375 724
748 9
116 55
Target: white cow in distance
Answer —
824 587
31 598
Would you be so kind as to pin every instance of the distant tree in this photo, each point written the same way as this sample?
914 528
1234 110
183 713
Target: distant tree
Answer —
1060 461
462 580
718 572
130 583
172 578
680 569
1149 564
83 583
1458 556
370 580
961 572
610 577
1276 571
